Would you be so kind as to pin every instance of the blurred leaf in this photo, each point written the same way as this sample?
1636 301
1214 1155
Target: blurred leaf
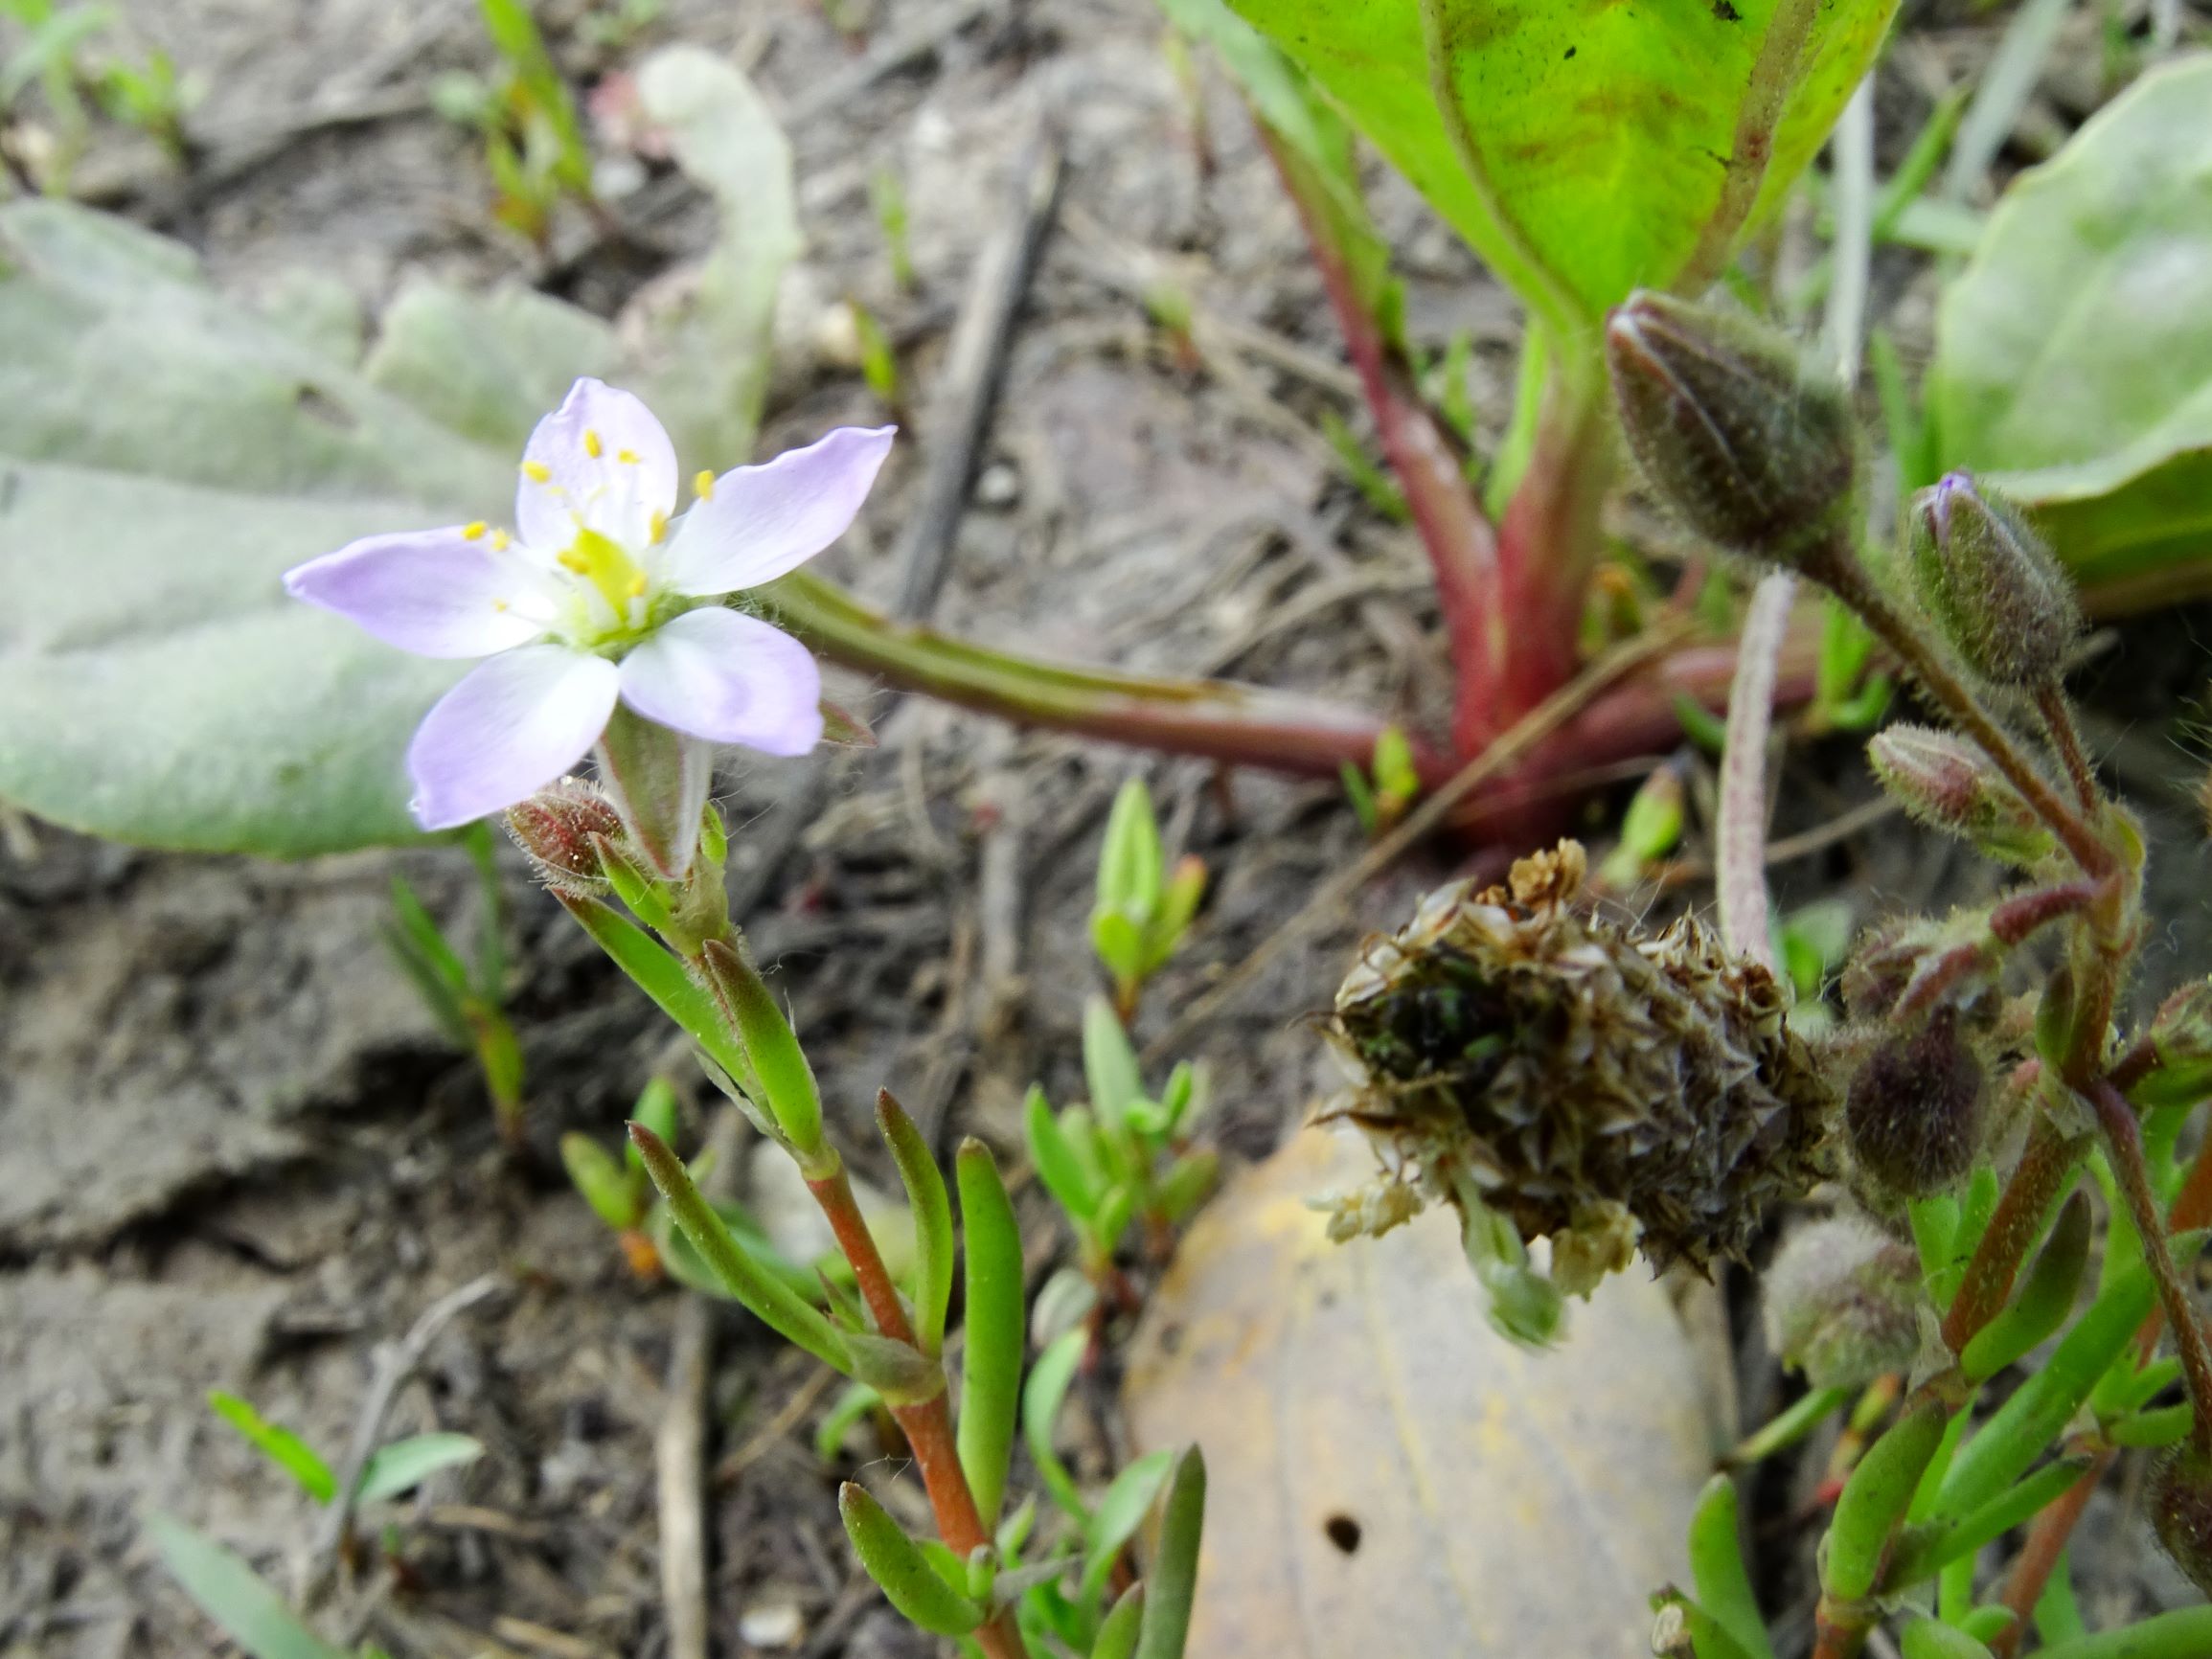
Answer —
932 1207
1171 1591
850 1406
706 362
235 1595
656 1110
1121 1509
407 1463
1041 1397
1603 136
1109 1064
279 1444
1417 1473
600 1177
2074 354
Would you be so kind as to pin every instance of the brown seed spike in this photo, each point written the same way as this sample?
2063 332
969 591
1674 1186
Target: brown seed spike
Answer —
1594 1085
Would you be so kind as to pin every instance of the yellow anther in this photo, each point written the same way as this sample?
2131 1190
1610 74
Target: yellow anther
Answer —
498 604
628 457
703 486
537 472
658 523
573 561
472 530
591 444
499 540
637 586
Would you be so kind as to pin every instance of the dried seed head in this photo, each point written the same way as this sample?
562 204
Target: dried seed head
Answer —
556 827
1991 584
1746 448
1842 1303
2179 1498
1945 781
1582 1082
1913 1115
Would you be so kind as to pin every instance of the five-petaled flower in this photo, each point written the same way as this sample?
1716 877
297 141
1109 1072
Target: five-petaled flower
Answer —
598 596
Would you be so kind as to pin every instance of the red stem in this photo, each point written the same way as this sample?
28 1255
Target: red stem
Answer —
1547 546
1462 546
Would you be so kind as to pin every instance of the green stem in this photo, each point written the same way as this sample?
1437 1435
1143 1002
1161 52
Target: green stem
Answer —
1214 719
1774 73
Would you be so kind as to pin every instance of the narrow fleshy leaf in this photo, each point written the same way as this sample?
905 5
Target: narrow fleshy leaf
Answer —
1109 1064
599 1177
661 977
751 1281
407 1463
1058 1165
1717 1566
778 1060
1173 1580
1121 1510
934 1246
991 1377
279 1444
1117 1631
900 1568
235 1595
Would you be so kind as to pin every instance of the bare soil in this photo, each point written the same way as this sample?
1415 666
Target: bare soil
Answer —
239 1157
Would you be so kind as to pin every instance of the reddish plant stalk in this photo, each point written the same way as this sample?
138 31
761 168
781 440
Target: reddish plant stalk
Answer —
2037 1180
1462 547
2123 1144
928 1425
2039 1556
1548 545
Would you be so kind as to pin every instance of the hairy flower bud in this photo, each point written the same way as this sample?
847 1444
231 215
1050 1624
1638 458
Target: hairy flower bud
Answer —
2181 1038
1991 584
1841 1304
1946 783
2179 1499
1577 1079
556 827
1913 1113
1746 448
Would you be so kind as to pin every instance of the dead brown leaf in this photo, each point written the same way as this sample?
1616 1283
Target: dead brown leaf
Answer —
1386 1475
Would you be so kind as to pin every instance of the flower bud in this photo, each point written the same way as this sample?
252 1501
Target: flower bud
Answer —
1991 584
1841 1304
555 826
1913 1114
1747 450
2181 1038
2179 1499
1885 961
1946 783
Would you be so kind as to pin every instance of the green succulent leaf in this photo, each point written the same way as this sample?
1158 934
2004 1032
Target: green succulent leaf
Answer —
991 1377
1041 1397
897 1565
1121 1509
1173 1580
407 1463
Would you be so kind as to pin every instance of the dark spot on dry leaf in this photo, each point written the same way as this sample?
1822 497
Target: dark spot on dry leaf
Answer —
1344 1532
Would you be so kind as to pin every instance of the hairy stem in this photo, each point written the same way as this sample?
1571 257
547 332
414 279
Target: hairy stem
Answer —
1742 827
2124 1146
1462 546
2037 1180
1927 663
2066 739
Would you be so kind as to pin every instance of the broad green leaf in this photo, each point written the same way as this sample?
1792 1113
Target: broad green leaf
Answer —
407 1463
279 1444
167 454
2074 353
235 1595
1603 136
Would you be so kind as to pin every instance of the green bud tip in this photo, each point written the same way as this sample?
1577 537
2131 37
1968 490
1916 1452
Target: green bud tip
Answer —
555 826
1988 580
2180 1500
1742 443
1913 1115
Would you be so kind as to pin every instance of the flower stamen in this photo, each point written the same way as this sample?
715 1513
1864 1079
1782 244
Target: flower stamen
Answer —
537 472
591 443
703 486
473 530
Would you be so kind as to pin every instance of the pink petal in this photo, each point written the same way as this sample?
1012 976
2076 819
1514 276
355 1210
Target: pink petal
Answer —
765 521
615 492
515 724
434 592
730 678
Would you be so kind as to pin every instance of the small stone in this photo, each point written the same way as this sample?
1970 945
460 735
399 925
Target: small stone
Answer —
771 1624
